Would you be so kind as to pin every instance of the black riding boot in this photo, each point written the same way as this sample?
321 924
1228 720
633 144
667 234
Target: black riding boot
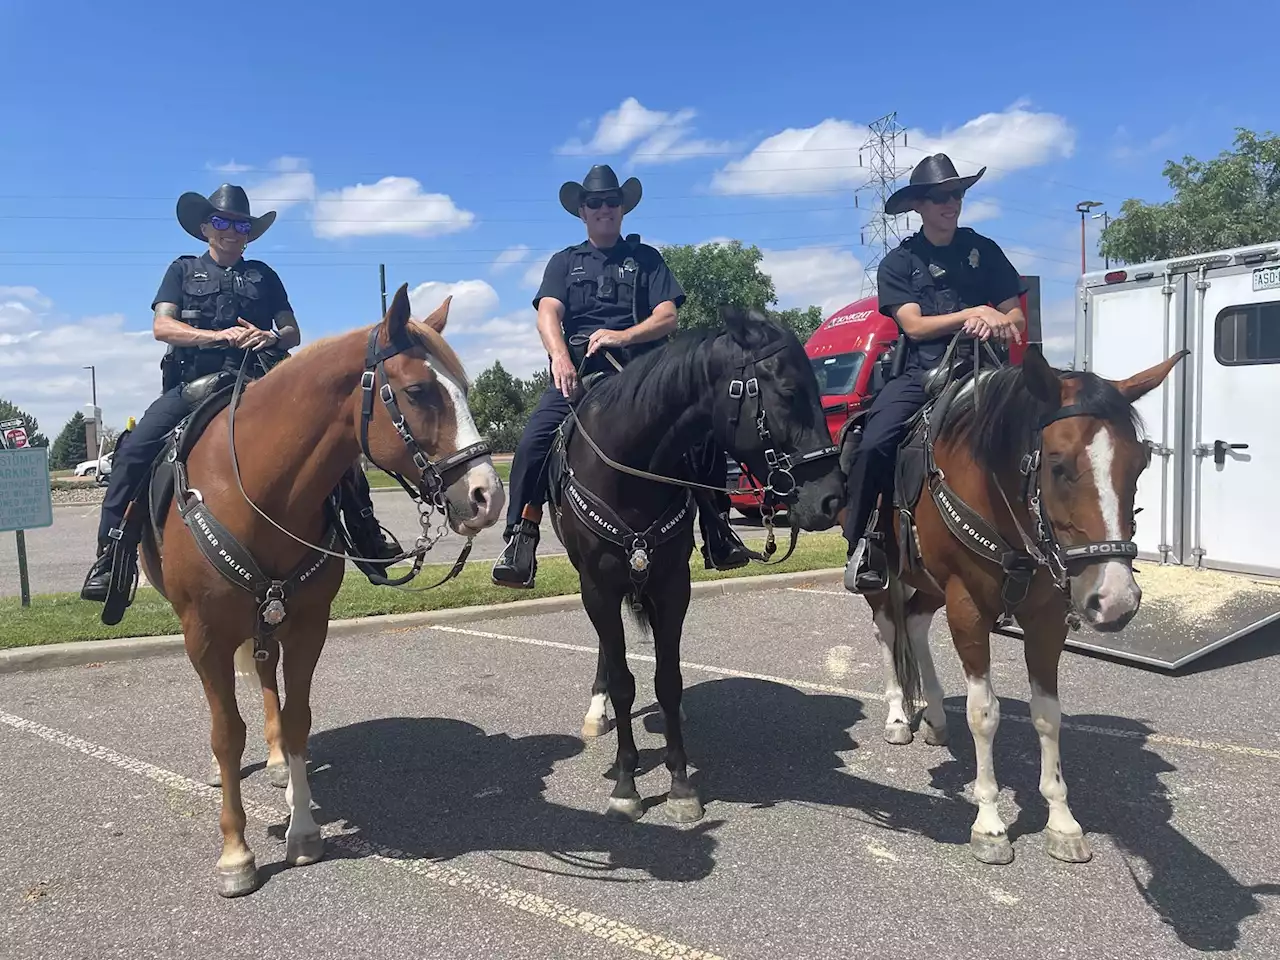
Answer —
518 564
721 547
367 535
99 578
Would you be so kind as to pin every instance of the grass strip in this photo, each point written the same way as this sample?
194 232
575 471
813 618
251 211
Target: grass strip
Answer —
63 617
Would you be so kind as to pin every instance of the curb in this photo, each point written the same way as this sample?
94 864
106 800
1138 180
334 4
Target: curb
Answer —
81 652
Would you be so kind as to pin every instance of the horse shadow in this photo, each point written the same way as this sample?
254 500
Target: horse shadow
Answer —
438 789
1114 788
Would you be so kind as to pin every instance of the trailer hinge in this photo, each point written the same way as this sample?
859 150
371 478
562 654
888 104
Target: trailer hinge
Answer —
1160 450
1202 449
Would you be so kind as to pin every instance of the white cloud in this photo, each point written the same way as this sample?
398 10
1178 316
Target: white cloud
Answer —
291 184
1058 330
29 294
828 277
511 340
43 355
509 257
230 167
826 155
532 278
977 210
473 300
657 136
393 205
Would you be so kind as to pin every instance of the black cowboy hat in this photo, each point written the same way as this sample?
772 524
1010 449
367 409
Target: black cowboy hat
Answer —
228 200
931 172
600 179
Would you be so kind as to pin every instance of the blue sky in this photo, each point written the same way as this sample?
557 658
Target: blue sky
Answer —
435 142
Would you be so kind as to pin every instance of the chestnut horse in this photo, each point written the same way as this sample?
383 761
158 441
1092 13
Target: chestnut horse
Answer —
1025 509
397 393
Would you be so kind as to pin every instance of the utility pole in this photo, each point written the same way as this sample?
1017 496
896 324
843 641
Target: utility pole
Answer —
1083 207
1106 221
878 155
382 282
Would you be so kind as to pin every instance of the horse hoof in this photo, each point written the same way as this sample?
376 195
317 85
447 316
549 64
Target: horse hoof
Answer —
300 851
595 728
625 808
988 849
278 774
897 733
684 809
215 778
1068 848
239 880
934 736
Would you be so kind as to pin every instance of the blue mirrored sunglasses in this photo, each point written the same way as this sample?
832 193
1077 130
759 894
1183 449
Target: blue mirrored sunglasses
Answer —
221 223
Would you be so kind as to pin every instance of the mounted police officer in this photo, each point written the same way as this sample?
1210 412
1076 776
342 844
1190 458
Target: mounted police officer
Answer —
608 296
212 310
941 280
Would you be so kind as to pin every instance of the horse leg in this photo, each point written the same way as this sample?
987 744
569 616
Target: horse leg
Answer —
1045 636
933 724
897 725
605 612
988 838
596 722
237 869
277 768
303 843
667 620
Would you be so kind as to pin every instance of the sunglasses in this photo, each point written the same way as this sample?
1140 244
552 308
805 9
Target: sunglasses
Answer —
594 203
942 196
221 223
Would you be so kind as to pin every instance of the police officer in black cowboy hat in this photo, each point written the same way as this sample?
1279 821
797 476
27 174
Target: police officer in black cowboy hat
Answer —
607 295
212 310
941 280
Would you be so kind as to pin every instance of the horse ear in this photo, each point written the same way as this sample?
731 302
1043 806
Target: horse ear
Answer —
1040 378
440 316
747 327
1140 384
397 314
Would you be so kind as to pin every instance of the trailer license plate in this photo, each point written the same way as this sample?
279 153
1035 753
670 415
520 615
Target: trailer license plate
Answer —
1266 278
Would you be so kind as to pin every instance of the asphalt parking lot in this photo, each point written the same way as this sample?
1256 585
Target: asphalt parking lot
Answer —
464 811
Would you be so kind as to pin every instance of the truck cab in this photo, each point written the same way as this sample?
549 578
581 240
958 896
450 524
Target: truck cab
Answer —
850 354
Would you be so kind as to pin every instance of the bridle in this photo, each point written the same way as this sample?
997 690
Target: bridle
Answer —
779 486
434 477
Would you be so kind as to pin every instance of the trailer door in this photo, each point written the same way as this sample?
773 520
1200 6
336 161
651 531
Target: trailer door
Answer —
1236 469
1133 326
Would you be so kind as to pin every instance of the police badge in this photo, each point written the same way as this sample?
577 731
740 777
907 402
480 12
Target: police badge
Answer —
973 258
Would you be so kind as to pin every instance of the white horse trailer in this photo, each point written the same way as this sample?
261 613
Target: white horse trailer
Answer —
1210 499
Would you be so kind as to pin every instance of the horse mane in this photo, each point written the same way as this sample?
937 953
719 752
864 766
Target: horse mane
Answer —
673 369
1002 417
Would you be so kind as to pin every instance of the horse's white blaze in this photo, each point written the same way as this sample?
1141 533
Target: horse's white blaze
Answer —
482 477
983 710
885 634
918 634
1046 715
1118 593
298 796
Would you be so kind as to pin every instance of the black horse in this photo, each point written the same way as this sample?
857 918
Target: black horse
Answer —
626 522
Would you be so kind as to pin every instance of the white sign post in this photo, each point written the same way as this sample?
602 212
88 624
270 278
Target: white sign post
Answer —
26 500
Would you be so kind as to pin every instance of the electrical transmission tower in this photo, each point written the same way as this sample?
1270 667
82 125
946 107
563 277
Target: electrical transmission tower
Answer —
882 232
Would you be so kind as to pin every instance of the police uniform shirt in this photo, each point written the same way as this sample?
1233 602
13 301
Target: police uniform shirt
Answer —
597 290
970 271
258 291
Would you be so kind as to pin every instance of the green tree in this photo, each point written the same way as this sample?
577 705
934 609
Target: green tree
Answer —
35 438
713 274
1230 201
802 322
533 388
498 406
69 447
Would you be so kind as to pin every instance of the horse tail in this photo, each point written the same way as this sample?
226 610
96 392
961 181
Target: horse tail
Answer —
635 620
906 668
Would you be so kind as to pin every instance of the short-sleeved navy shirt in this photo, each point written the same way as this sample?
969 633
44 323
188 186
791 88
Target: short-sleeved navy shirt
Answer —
970 271
597 288
261 310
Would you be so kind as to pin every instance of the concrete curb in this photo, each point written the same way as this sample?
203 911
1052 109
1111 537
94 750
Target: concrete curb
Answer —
80 652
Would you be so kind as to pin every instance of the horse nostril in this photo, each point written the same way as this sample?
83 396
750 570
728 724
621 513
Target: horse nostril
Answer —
1094 603
480 497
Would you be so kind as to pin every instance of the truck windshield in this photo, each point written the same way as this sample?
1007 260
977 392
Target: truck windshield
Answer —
837 373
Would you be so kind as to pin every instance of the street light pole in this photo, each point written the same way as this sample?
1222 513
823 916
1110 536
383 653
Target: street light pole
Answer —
1083 207
93 378
1106 221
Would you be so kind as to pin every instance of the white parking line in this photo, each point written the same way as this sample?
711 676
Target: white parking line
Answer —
593 924
959 709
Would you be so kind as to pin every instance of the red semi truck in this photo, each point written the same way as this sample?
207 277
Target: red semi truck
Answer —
847 353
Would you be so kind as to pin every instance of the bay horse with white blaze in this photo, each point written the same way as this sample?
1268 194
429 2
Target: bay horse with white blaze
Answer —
1012 499
261 506
629 534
